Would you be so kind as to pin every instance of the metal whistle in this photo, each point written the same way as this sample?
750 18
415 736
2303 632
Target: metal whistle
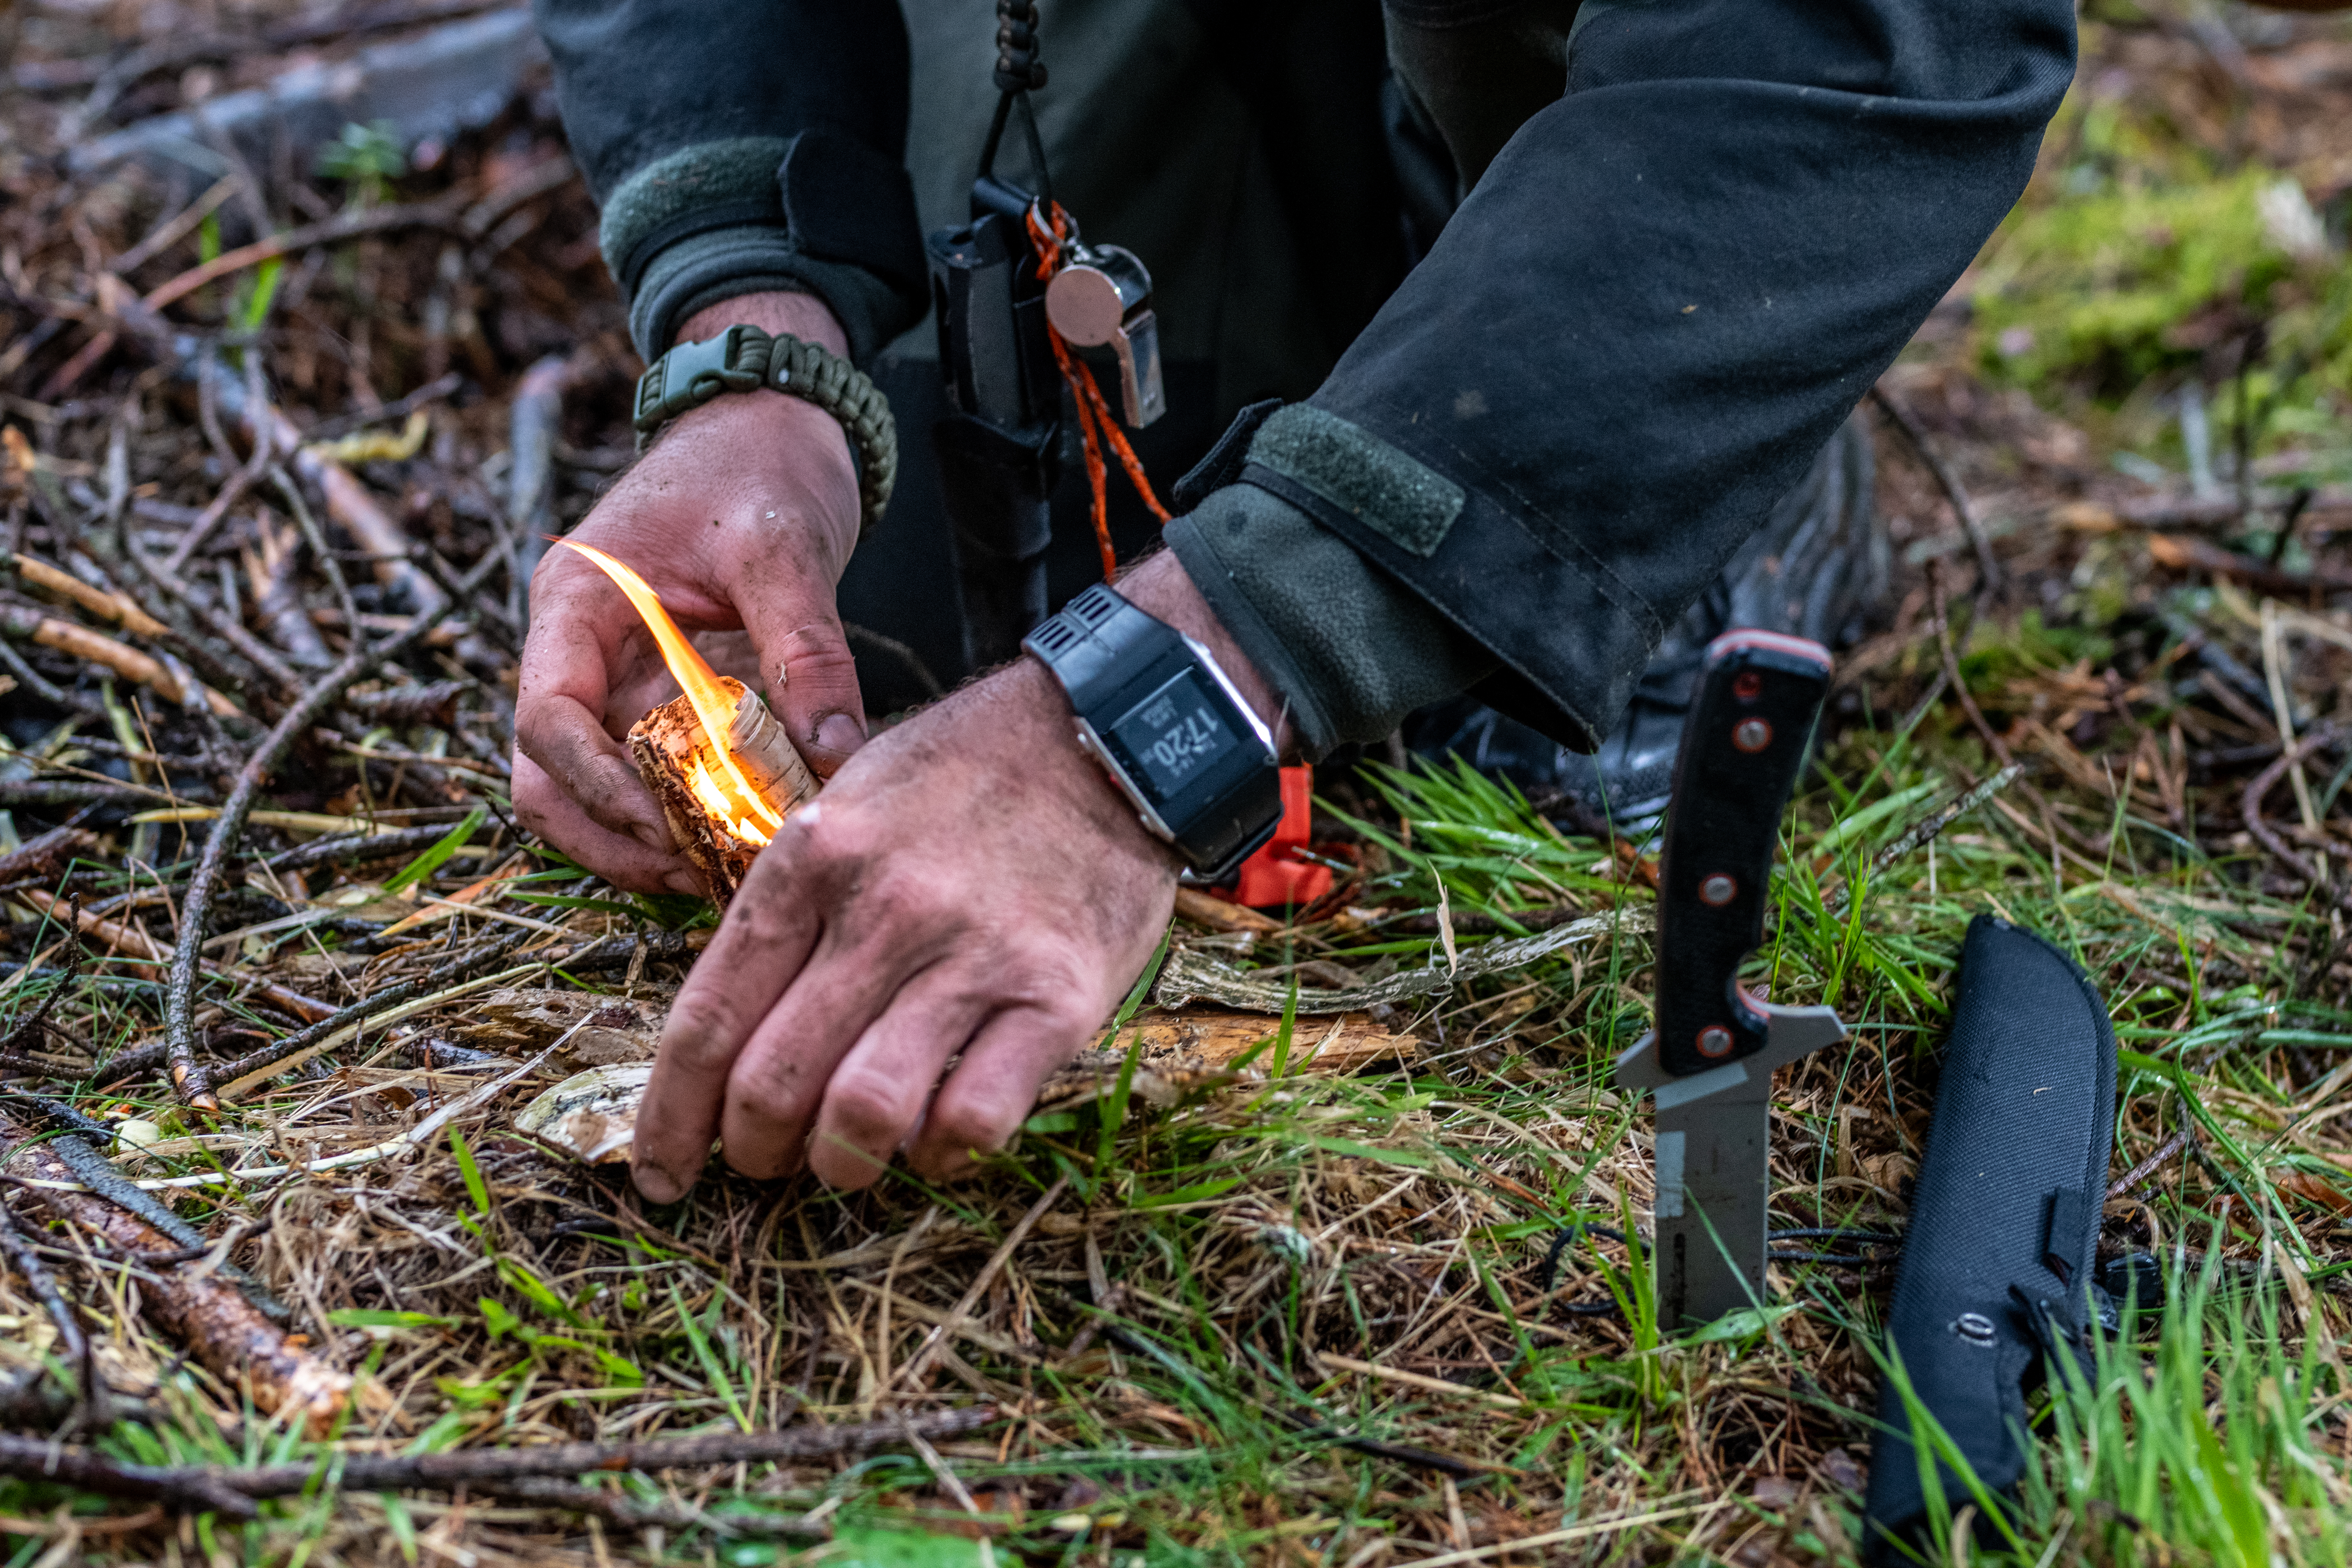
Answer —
1103 297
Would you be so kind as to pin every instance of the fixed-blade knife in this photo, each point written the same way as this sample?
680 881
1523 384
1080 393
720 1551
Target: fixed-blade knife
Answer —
1708 1061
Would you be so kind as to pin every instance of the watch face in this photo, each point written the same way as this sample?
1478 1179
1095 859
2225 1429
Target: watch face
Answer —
1173 735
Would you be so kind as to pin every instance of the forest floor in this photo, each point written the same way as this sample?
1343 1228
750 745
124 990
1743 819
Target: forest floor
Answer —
1338 1287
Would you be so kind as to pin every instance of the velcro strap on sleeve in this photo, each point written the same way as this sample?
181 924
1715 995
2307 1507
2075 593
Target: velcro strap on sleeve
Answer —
843 201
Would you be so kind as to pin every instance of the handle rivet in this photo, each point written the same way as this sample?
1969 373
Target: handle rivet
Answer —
1718 890
1752 734
1747 686
1714 1041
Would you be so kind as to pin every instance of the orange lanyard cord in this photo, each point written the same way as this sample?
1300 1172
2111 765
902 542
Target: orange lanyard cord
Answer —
1096 424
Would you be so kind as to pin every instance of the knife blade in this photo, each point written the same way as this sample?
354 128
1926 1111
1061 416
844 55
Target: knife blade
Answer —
1709 1061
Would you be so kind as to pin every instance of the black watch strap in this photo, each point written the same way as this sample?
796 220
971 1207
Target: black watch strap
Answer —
745 359
1120 666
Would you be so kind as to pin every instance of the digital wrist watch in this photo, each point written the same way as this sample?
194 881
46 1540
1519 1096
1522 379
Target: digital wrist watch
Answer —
1164 721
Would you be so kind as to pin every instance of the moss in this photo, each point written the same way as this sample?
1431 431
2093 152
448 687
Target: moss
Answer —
2110 288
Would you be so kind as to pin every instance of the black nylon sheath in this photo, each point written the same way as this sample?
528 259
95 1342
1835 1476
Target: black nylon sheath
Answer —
2004 1220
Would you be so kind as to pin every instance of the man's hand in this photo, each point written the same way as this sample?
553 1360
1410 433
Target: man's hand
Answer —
969 883
742 518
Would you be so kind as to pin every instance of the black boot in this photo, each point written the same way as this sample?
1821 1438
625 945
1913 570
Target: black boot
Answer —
1817 569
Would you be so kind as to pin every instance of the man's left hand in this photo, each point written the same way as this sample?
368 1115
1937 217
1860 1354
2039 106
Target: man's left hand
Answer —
970 883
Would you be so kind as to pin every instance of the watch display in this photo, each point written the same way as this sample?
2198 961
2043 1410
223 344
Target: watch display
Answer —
1172 735
1168 728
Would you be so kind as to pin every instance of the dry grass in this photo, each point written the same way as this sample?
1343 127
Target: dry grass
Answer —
1262 1310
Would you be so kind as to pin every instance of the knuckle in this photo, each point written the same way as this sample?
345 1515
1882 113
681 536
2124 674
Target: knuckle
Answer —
766 1103
959 1125
701 1032
869 1107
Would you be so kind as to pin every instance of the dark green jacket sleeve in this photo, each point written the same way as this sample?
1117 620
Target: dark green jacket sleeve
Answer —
743 148
1656 305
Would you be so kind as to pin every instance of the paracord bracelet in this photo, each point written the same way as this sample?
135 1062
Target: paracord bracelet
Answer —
744 359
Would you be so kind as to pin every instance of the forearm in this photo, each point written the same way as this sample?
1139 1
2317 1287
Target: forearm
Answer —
1661 299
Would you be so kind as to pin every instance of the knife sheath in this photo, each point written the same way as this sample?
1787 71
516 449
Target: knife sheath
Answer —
1997 1271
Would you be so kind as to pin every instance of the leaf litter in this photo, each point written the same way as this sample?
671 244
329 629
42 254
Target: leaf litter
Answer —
1342 1264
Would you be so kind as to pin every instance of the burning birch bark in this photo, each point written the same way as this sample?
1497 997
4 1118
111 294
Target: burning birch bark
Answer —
726 774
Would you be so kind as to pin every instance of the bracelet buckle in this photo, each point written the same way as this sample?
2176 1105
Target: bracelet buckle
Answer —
691 375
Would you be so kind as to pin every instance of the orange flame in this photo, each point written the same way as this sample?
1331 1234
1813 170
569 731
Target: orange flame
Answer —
713 698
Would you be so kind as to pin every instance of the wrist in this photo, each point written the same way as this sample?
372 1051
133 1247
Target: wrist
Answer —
770 465
803 316
744 358
1159 586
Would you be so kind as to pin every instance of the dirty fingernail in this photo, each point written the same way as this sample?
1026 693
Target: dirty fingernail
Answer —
685 882
658 1186
842 732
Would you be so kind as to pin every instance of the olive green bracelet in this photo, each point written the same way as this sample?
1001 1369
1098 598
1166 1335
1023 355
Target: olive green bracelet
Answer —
744 359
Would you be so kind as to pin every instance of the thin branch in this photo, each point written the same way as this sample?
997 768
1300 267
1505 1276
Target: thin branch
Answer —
194 1489
1949 482
442 214
189 1080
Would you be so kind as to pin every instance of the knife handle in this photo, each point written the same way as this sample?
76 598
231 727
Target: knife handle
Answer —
1750 723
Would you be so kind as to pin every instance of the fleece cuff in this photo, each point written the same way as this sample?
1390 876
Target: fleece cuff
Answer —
818 213
704 269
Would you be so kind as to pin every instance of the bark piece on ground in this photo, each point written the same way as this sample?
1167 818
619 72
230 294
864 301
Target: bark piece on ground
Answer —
203 1311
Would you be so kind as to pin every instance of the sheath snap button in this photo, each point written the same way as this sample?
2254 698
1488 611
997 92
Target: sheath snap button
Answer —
1975 1328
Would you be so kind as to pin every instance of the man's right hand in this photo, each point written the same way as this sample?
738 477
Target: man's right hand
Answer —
742 518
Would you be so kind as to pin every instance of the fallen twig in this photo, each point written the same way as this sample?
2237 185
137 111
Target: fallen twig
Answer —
2249 805
41 854
533 421
348 502
197 1488
1925 829
128 939
204 1311
442 214
2185 555
20 1251
189 1080
2122 1185
72 638
1987 568
111 607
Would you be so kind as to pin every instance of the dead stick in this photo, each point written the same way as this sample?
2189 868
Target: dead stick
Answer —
186 1489
207 1313
391 413
39 855
1925 829
2249 805
197 1488
71 637
130 939
20 1250
244 479
348 500
225 625
2140 1172
1950 484
112 606
189 1077
441 214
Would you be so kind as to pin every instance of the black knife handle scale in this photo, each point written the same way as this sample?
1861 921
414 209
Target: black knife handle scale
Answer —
1750 724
